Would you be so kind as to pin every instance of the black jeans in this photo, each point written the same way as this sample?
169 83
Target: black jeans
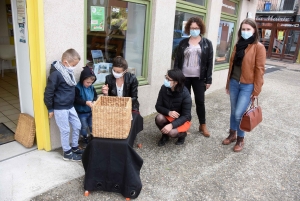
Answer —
199 89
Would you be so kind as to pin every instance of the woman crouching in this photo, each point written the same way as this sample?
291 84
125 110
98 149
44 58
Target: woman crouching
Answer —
174 105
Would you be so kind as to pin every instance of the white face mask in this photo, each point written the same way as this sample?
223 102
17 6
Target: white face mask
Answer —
118 75
70 68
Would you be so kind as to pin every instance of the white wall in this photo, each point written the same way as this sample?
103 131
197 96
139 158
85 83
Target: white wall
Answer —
64 29
23 65
161 38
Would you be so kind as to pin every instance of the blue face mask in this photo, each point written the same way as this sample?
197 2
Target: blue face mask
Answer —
246 34
167 83
195 33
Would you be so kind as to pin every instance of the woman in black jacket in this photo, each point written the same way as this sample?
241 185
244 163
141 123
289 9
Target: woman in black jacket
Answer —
174 105
195 58
122 83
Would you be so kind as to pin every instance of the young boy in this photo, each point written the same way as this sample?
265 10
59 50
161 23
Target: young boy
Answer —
85 94
59 98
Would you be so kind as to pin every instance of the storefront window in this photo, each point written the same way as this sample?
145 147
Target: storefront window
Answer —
115 28
264 35
229 7
199 2
181 19
224 42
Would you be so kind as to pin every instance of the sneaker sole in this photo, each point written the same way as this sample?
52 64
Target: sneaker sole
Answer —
67 159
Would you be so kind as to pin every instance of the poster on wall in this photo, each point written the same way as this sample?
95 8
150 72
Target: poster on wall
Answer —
280 35
101 70
97 18
22 32
21 11
118 19
267 34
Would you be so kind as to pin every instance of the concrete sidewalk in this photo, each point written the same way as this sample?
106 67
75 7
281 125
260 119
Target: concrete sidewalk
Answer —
202 169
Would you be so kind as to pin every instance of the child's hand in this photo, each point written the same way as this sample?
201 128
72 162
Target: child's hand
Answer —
51 114
105 89
89 103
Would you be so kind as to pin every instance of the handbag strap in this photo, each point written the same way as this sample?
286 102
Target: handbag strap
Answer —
252 104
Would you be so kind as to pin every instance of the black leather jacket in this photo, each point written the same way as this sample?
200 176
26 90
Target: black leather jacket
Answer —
130 88
180 102
207 54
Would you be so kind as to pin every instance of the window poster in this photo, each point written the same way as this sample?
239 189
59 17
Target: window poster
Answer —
118 18
97 18
280 35
101 70
267 34
21 11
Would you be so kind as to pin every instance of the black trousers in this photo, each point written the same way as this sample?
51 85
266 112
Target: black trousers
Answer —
199 89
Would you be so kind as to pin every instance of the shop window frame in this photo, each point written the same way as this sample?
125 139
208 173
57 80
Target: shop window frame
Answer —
233 19
143 78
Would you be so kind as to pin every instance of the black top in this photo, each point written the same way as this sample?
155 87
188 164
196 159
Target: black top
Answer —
207 54
130 88
180 102
58 94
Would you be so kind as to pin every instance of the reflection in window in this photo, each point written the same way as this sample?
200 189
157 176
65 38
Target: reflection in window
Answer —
199 2
181 19
224 42
278 41
115 28
264 35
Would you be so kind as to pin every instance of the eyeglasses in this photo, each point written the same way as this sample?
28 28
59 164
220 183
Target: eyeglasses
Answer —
167 78
194 28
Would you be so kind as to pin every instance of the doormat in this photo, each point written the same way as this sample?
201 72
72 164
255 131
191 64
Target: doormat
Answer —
6 135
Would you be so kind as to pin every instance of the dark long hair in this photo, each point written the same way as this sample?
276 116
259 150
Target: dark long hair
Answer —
177 75
198 21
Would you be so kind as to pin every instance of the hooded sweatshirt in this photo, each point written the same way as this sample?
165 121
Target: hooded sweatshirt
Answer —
82 93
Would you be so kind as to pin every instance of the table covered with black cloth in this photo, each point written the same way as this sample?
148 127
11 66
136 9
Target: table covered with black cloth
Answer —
113 165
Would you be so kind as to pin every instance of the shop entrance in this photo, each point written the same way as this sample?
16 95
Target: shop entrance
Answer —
15 77
285 45
281 40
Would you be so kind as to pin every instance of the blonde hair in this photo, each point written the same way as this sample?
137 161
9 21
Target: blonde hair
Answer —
70 55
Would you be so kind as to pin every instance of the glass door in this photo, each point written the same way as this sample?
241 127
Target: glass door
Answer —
285 45
290 51
278 43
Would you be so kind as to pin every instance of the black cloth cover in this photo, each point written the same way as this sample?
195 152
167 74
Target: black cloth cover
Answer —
113 165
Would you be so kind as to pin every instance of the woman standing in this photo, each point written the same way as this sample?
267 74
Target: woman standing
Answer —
195 58
245 78
174 105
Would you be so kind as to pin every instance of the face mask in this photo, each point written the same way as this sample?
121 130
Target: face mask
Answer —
246 34
70 68
167 83
195 33
117 75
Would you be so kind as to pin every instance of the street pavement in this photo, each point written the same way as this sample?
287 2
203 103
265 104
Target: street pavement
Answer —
268 168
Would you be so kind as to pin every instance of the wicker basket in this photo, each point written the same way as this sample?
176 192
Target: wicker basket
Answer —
112 117
25 131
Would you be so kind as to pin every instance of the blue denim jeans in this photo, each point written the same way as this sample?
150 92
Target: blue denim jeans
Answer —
86 122
239 100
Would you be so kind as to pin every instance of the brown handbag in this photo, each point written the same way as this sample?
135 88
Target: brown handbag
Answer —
251 118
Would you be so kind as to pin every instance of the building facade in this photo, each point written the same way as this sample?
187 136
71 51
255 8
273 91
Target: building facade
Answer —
145 32
279 28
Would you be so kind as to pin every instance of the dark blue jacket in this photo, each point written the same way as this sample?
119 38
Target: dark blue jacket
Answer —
83 94
58 94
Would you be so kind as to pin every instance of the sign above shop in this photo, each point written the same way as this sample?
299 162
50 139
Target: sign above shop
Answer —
274 18
229 7
288 25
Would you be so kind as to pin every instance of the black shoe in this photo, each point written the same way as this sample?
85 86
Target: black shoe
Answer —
181 138
163 140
